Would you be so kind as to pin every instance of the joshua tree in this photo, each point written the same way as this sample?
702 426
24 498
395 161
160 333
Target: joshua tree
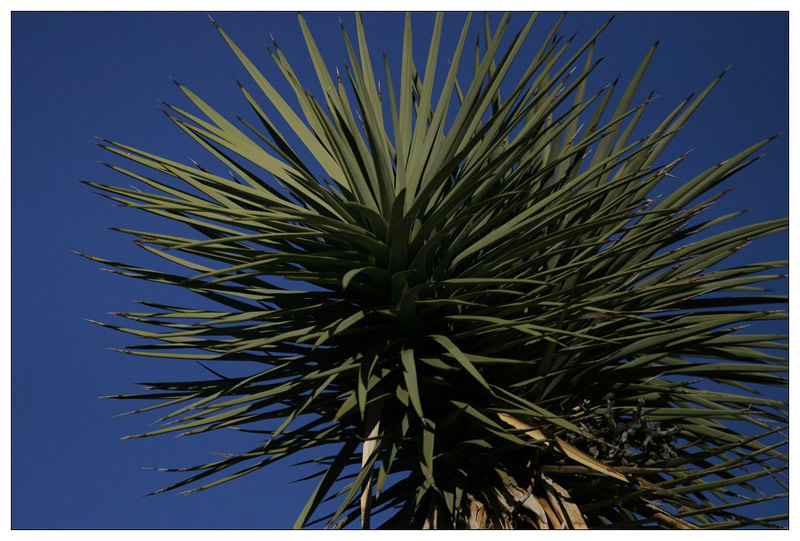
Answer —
478 315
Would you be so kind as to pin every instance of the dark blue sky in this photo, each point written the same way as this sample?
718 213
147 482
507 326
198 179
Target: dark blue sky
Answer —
79 75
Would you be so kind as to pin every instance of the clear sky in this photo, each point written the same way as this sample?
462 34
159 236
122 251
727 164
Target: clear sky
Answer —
79 75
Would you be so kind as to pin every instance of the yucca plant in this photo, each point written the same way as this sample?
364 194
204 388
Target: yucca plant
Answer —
479 316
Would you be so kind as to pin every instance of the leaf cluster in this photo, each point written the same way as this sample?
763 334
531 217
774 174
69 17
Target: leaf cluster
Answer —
479 311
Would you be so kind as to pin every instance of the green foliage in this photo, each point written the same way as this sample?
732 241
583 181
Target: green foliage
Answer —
483 291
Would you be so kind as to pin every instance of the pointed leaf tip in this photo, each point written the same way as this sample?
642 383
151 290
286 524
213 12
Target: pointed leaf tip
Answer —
573 35
82 255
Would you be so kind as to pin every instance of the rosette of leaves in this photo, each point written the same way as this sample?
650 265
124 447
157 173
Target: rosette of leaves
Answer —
476 317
